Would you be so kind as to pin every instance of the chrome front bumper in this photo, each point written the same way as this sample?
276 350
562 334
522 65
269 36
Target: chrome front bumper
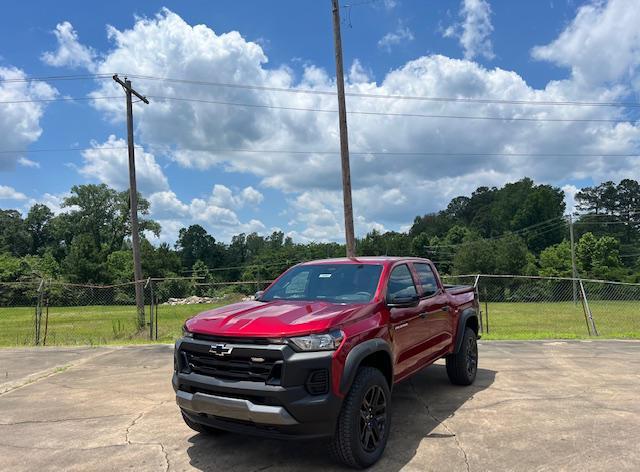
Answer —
235 408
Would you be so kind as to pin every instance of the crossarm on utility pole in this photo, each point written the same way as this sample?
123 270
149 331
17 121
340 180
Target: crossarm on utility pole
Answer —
127 86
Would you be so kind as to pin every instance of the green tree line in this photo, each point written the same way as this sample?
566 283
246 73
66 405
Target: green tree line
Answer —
520 228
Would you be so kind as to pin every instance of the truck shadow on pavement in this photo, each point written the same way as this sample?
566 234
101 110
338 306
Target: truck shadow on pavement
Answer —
421 408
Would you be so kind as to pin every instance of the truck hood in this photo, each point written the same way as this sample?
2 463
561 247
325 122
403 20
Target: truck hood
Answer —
276 318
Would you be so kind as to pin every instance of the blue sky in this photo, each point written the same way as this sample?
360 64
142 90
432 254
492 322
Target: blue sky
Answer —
550 51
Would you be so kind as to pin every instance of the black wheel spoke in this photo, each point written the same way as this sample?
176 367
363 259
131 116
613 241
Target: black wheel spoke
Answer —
373 417
472 356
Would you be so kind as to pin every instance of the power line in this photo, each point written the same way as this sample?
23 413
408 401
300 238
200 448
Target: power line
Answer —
381 113
58 99
546 225
610 215
601 223
539 229
53 78
74 149
249 266
321 110
325 152
330 92
388 96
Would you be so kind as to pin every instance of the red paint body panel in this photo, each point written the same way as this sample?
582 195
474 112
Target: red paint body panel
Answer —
418 335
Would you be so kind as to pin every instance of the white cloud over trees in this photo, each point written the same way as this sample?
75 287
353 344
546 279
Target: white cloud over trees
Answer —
20 118
388 189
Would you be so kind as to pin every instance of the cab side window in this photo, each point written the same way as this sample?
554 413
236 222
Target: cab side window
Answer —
427 279
401 283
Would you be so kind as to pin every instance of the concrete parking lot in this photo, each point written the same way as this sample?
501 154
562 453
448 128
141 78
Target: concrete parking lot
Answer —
535 406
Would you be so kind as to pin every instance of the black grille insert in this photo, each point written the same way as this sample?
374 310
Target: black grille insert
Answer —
238 365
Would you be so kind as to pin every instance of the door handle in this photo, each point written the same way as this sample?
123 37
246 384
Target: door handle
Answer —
445 308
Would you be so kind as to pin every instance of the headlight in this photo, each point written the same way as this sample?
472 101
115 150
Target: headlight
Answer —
186 333
318 342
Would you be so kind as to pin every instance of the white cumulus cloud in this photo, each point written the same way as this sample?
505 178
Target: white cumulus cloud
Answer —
70 52
223 196
389 189
20 121
402 34
215 212
24 162
10 193
600 45
108 163
474 31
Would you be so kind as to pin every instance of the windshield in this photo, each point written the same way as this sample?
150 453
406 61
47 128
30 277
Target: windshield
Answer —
339 283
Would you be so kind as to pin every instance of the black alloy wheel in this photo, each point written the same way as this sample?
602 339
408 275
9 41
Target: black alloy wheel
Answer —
462 366
364 422
373 418
472 356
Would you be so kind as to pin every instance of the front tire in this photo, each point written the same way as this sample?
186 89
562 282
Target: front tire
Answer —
462 366
363 425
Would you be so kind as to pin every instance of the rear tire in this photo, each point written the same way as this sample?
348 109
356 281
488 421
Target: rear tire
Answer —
200 428
364 422
462 366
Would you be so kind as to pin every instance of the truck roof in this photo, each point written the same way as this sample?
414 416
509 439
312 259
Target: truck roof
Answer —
365 260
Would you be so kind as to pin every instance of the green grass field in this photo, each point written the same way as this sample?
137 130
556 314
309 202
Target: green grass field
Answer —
565 320
91 325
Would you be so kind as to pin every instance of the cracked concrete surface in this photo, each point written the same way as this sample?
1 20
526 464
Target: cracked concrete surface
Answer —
543 406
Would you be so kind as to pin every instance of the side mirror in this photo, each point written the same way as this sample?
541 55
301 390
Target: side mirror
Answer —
403 301
258 295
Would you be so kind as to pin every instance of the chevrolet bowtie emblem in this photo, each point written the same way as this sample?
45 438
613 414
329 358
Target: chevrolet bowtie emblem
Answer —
220 349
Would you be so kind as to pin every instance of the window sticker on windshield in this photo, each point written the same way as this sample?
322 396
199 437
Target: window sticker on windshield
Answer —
324 276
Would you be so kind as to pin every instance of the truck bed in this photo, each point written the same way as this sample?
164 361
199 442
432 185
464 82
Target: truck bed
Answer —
455 289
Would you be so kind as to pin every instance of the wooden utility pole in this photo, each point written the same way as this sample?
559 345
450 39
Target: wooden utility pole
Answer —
344 136
133 196
574 270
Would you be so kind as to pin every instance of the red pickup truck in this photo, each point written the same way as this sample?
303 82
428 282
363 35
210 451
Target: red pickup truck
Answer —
318 352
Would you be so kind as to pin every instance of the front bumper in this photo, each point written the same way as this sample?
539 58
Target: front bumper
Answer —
234 408
282 409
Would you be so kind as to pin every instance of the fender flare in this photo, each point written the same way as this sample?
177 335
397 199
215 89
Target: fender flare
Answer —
357 355
466 314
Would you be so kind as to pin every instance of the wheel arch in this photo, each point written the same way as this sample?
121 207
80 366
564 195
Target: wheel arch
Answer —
468 318
372 353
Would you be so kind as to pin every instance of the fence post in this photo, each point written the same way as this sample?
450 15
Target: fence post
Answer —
150 308
486 308
46 316
38 313
591 326
152 322
477 292
155 309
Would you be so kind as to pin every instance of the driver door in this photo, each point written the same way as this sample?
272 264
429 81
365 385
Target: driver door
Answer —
405 322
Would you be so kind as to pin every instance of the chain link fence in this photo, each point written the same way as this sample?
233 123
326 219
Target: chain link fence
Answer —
44 312
176 300
529 307
47 313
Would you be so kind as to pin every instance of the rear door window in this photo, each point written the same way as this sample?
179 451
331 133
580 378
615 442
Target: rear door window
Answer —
427 279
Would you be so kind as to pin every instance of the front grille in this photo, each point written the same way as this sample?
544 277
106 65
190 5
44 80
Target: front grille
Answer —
237 366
